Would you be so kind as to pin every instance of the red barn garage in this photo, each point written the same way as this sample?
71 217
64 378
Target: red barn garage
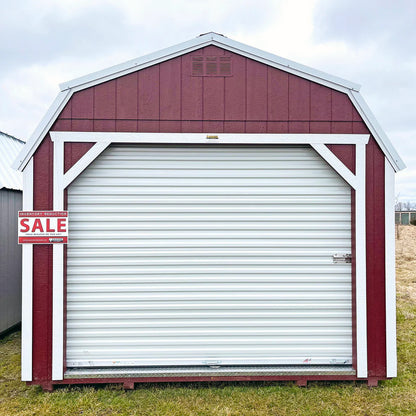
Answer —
230 218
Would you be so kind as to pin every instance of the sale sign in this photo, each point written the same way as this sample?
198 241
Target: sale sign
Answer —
43 227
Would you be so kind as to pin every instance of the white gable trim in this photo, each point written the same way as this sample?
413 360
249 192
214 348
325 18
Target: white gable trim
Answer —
41 130
200 42
68 88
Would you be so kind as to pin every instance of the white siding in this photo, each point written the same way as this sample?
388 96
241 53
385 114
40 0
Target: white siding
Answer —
208 255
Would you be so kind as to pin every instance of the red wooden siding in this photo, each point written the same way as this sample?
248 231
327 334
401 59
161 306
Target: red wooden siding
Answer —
376 318
255 99
42 268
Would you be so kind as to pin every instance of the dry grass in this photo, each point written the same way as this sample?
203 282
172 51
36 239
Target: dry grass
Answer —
392 397
406 261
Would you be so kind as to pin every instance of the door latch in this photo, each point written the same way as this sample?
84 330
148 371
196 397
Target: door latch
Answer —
342 258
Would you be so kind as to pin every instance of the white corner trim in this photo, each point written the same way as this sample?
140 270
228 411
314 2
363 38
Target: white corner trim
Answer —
27 280
391 348
360 262
84 162
336 164
202 138
376 130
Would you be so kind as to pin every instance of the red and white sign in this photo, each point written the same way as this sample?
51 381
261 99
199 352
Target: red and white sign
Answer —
43 227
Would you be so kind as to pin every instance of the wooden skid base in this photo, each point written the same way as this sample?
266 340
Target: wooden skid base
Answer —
128 383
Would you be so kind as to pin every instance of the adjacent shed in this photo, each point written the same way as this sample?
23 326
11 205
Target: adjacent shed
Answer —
217 198
404 217
10 252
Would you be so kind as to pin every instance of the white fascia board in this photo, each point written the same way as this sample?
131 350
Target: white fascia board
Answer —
204 138
136 64
376 130
284 64
200 42
41 130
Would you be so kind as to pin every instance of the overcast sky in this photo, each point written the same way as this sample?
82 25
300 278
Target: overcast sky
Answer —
370 42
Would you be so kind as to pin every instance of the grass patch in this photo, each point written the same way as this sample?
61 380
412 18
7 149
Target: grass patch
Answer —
392 397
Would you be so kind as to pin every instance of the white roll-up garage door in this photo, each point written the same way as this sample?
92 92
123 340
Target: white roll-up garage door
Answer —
208 255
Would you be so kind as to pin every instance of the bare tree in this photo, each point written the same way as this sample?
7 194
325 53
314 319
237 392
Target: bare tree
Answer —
404 205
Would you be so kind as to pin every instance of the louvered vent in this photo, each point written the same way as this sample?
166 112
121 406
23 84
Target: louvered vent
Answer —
225 66
211 66
198 66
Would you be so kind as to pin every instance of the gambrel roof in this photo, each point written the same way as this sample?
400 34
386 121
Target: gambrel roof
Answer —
211 38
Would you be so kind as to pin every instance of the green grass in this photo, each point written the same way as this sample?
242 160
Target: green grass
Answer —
392 397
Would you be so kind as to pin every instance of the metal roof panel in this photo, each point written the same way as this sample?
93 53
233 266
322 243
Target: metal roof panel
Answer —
9 149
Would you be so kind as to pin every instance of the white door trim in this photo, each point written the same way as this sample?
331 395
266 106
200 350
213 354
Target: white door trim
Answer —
208 138
85 160
357 181
58 268
336 164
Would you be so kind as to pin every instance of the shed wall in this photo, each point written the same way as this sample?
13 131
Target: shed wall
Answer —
256 99
10 260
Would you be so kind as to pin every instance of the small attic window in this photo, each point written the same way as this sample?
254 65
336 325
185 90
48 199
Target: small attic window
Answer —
211 66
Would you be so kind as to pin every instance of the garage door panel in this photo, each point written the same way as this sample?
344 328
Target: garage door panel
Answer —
246 308
291 201
338 245
248 269
137 252
212 190
184 259
187 255
240 175
122 279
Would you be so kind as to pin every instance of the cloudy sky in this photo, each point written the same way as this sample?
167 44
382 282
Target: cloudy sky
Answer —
370 42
